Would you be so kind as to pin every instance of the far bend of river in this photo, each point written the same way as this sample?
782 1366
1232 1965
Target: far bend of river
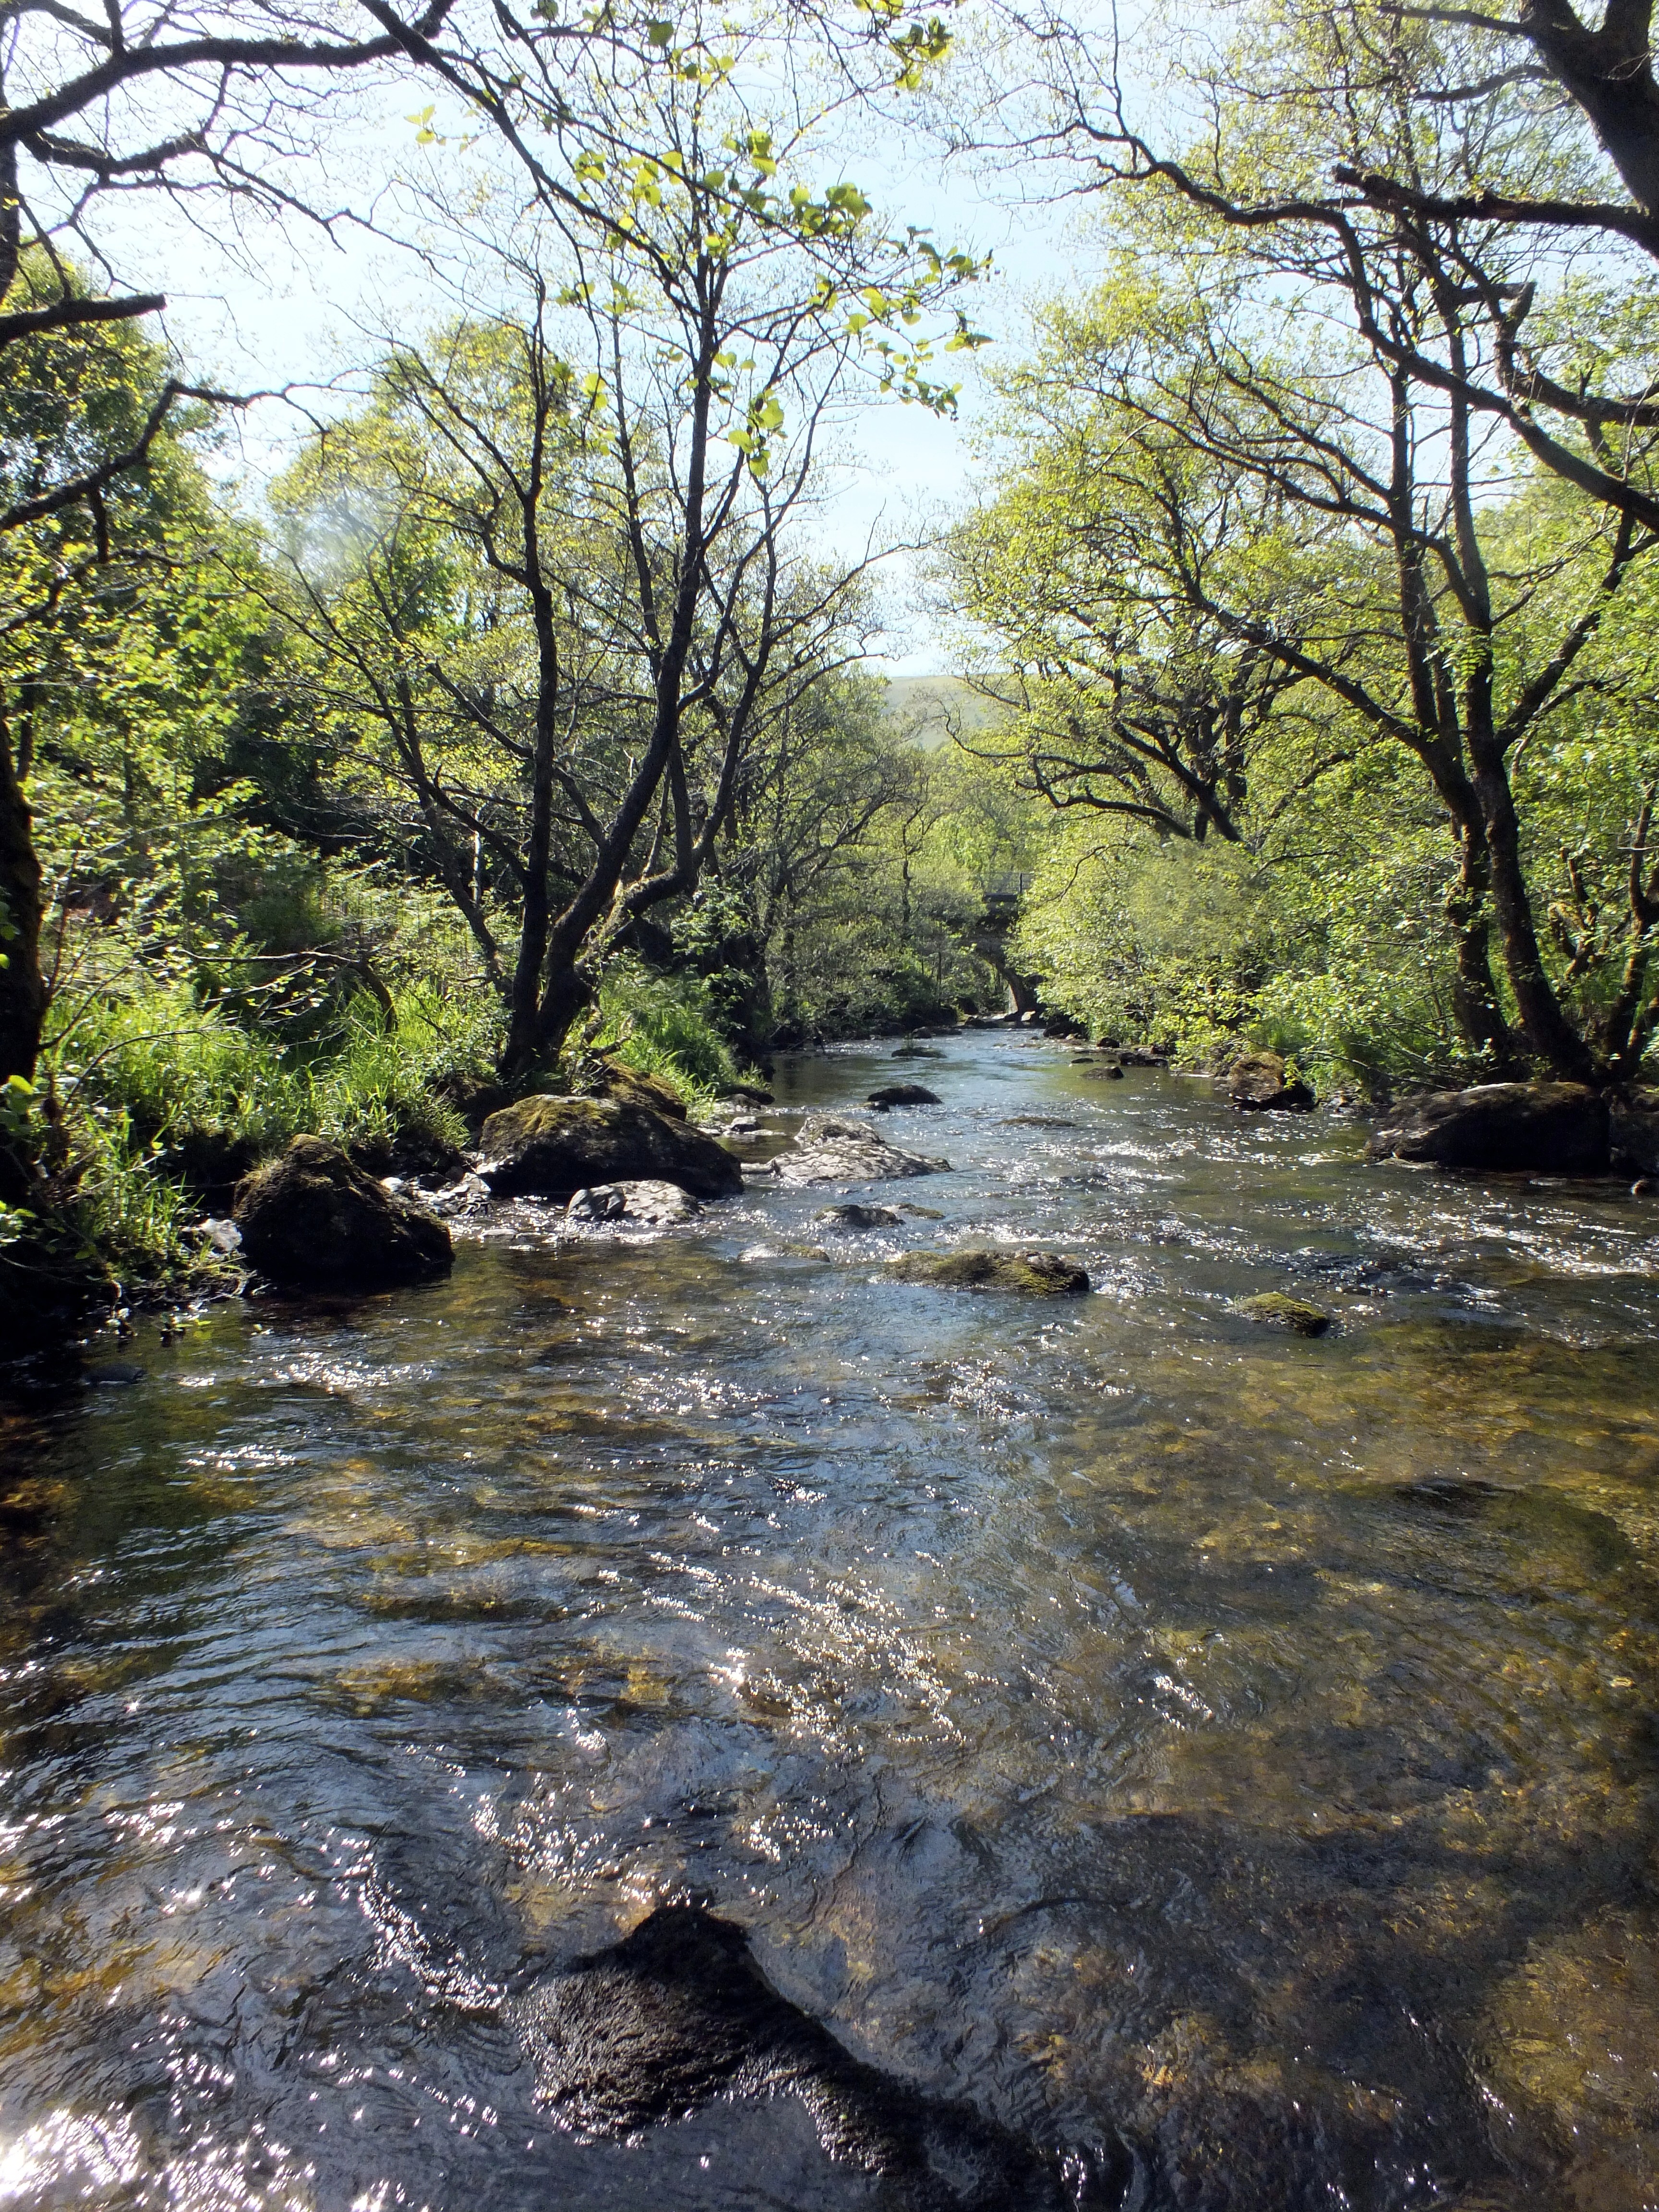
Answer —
1105 1711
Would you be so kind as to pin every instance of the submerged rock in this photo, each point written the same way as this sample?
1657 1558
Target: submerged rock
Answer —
1037 1121
830 1150
916 1052
679 2014
1460 1495
862 1217
310 1217
552 1147
644 1199
1552 1128
1256 1084
1044 1274
1113 1072
1278 1310
752 1094
901 1094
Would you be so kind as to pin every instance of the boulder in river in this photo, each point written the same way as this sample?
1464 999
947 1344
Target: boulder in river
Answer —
651 1203
1278 1309
1633 1131
633 1087
901 1094
1041 1274
552 1147
1551 1129
678 2015
862 1217
829 1149
1257 1084
311 1218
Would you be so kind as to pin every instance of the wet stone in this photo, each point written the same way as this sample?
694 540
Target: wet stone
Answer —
678 2014
1039 1274
644 1200
861 1217
901 1094
829 1149
311 1219
1277 1309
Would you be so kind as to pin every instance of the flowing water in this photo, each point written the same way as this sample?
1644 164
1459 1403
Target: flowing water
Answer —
1105 1711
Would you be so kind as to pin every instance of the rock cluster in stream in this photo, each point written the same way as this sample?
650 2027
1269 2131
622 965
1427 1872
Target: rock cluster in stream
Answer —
901 1094
651 1203
1258 1082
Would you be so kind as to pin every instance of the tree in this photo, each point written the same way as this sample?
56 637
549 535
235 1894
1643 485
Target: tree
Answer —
1340 361
1117 695
1391 129
580 593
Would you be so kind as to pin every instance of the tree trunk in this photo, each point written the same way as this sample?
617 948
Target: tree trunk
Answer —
23 991
1550 1035
1475 995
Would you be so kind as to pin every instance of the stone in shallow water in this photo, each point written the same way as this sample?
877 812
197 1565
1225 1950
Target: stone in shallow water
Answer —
553 1147
679 2014
1496 1128
901 1094
310 1217
1041 1274
862 1217
831 1150
1275 1309
645 1200
1256 1084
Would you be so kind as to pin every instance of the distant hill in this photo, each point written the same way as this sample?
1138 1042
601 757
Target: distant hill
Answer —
933 705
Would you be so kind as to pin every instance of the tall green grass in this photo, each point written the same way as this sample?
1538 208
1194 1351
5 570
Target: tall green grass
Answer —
664 1025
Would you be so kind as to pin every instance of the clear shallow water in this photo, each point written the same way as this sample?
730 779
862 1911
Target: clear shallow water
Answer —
1102 1710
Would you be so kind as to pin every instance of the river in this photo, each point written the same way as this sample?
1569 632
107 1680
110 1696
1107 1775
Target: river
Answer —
1143 1726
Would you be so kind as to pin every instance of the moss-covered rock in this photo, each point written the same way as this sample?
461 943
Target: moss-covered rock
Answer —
633 1087
1277 1309
552 1147
1259 1083
1038 1274
311 1218
1551 1129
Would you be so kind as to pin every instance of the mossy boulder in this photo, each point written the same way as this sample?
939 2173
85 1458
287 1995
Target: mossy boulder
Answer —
1277 1309
552 1147
1259 1083
1037 1274
310 1217
633 1087
1549 1128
